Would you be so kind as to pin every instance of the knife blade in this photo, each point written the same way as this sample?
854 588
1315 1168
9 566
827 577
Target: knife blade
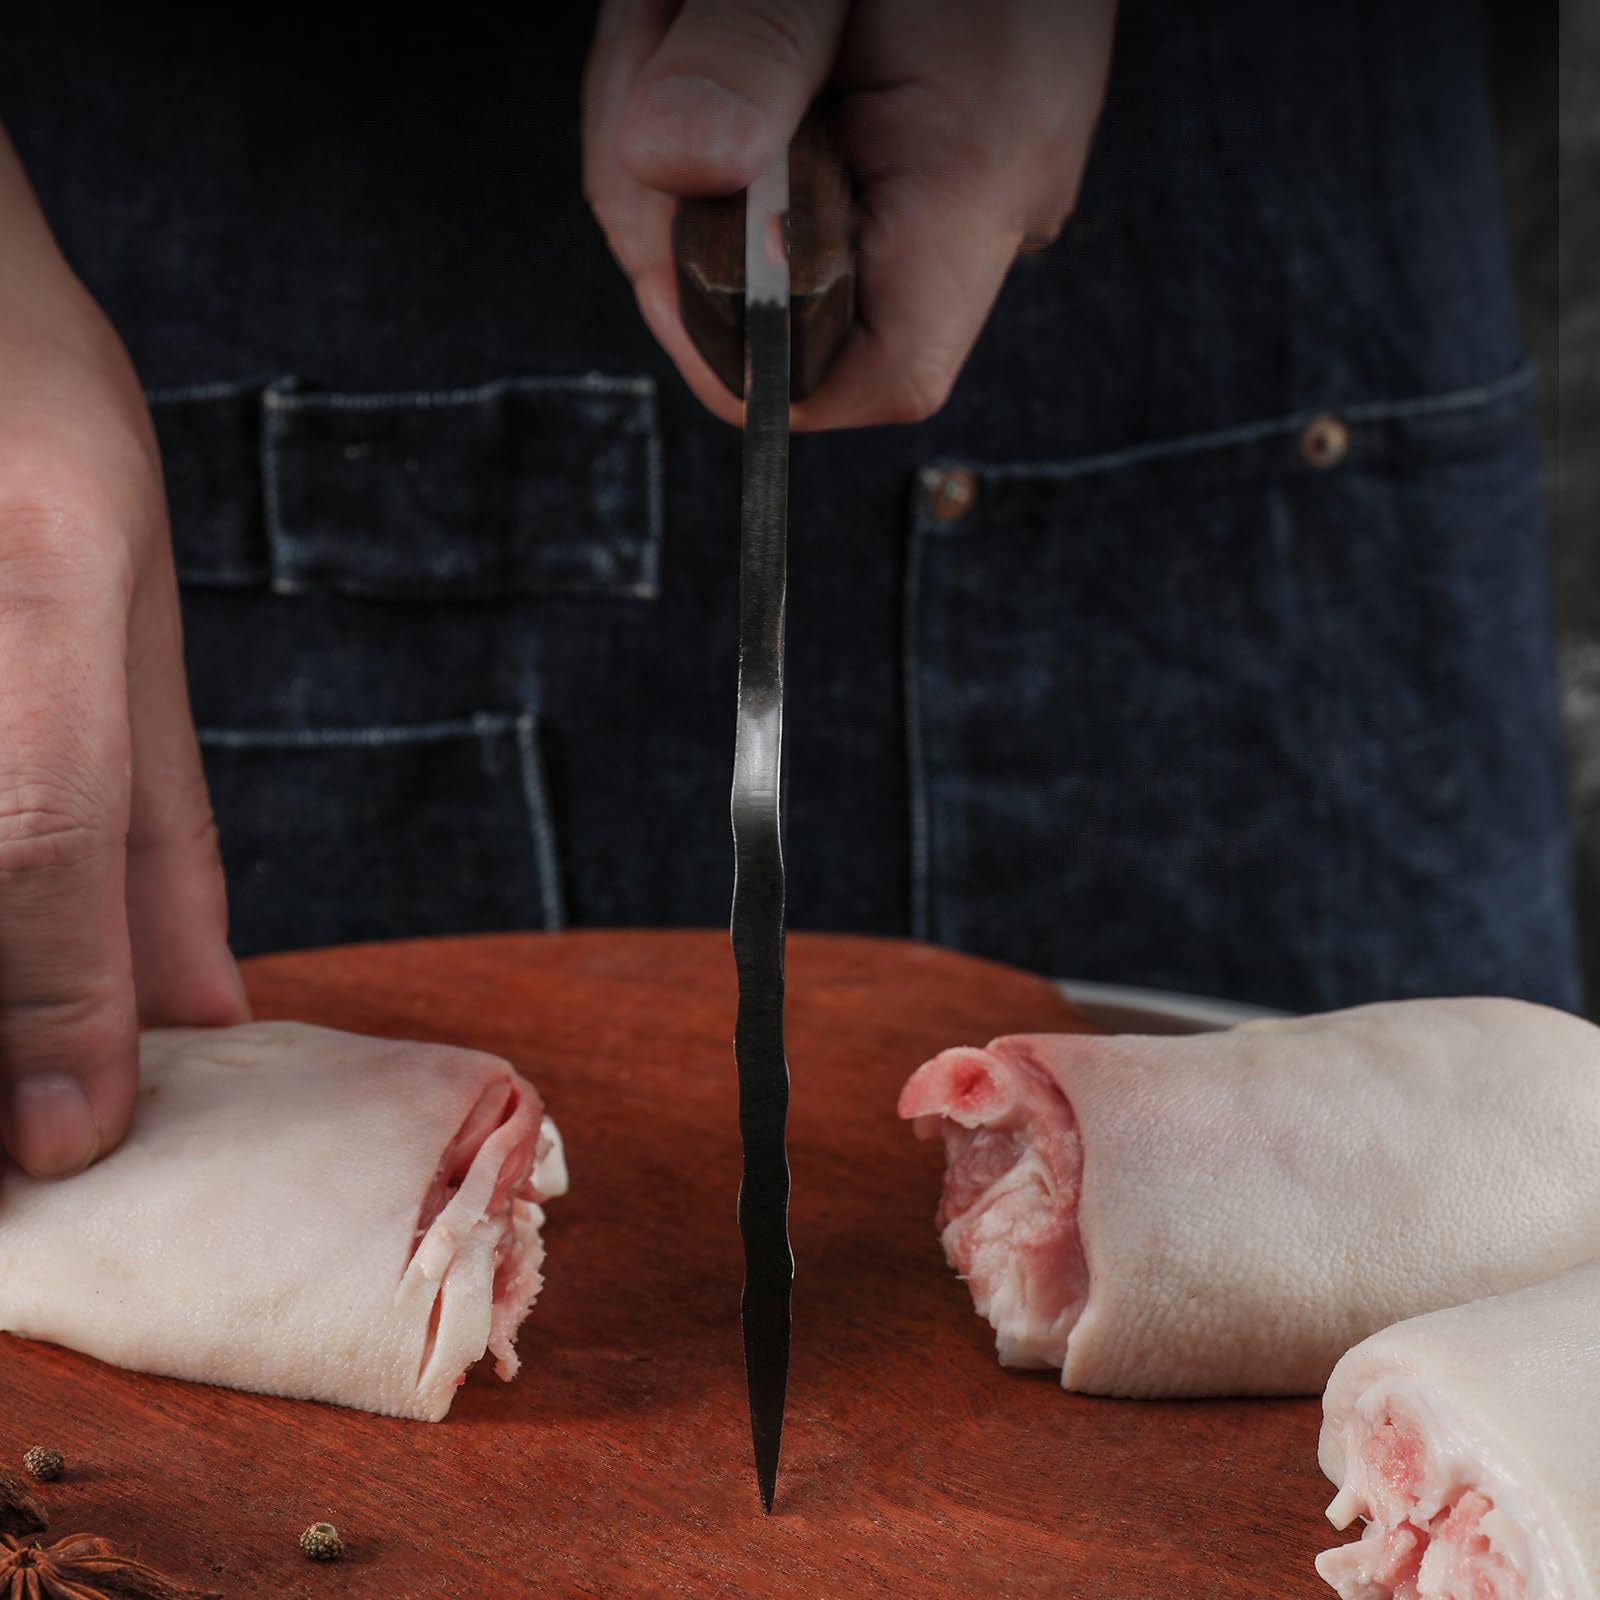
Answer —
734 278
757 925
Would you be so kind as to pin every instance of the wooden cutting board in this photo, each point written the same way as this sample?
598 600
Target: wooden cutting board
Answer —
619 1463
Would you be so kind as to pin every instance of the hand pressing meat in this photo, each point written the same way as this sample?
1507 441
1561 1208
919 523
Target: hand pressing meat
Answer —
300 1212
1229 1213
1470 1441
111 896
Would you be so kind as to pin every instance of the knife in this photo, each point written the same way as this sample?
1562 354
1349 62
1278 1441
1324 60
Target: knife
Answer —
766 289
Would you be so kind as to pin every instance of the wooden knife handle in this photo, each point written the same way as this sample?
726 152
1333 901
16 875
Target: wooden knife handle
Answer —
708 251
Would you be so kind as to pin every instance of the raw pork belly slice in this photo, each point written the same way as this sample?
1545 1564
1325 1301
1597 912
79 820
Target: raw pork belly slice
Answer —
1228 1213
300 1212
1470 1441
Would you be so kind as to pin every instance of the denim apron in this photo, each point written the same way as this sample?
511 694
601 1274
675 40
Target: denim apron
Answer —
1204 640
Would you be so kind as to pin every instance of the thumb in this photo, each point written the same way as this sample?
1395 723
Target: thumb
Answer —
725 90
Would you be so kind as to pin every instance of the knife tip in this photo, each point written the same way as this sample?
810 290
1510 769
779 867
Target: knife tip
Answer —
766 1328
767 1467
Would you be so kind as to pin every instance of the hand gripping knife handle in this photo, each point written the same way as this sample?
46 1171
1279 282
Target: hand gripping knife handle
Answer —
708 252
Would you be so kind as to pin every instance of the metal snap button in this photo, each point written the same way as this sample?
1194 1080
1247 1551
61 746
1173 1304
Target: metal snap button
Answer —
952 492
1324 441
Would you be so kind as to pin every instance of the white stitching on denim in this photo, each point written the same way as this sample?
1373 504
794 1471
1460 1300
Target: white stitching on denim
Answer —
194 392
587 383
1441 405
540 827
220 577
651 584
272 397
1433 405
916 772
483 724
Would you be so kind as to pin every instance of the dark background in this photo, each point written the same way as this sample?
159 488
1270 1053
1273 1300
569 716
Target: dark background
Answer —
1546 65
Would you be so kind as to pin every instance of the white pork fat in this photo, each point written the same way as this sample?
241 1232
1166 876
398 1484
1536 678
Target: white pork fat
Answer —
300 1212
1230 1212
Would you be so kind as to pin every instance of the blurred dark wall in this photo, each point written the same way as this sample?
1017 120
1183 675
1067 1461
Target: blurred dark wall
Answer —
1546 69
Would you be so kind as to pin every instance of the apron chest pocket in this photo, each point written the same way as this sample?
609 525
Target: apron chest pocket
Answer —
339 835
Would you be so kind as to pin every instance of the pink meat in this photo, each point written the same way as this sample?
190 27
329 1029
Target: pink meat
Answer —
1425 1537
1008 1217
495 1150
1468 1441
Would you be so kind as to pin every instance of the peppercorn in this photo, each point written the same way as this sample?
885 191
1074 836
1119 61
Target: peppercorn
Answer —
43 1462
321 1542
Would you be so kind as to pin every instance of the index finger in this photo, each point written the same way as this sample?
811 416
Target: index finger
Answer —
68 1029
636 219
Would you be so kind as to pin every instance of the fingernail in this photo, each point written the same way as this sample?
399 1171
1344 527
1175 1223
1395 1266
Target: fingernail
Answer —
693 122
53 1131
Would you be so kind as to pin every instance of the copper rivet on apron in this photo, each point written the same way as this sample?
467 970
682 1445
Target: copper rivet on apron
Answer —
1324 441
952 492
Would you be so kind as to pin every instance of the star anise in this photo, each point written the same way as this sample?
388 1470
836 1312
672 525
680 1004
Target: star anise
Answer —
19 1511
82 1568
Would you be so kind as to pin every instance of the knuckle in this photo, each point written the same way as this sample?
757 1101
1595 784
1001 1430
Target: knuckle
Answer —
37 523
93 500
49 827
87 1009
83 1026
51 547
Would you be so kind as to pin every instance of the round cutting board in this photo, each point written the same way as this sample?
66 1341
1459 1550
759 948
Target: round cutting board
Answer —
619 1462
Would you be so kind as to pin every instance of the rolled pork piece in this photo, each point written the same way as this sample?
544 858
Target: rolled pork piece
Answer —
1228 1213
1469 1441
299 1212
